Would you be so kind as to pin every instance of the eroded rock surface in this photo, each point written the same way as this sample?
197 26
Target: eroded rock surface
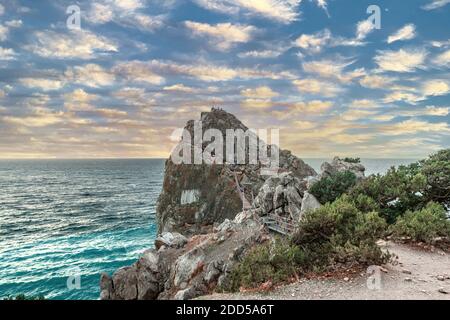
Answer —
194 269
340 165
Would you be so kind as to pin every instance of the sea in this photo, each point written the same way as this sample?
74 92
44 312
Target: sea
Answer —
63 222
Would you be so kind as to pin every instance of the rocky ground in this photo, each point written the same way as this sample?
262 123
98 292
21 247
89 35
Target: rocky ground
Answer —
415 275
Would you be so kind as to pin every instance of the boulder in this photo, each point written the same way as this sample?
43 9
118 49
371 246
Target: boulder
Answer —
282 195
340 165
309 202
169 239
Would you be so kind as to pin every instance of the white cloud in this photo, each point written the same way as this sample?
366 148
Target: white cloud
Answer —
322 4
79 44
3 33
222 35
414 126
357 114
2 9
124 12
138 71
400 61
407 97
317 87
91 75
443 59
363 28
14 23
79 100
285 11
314 43
42 83
154 70
263 54
376 82
333 69
408 32
437 111
7 54
435 4
100 13
179 88
263 92
435 88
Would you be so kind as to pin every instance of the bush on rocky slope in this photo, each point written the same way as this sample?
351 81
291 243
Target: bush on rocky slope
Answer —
399 190
335 236
329 188
436 169
424 225
406 188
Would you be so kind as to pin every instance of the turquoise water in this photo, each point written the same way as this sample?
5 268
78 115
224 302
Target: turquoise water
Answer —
71 220
61 219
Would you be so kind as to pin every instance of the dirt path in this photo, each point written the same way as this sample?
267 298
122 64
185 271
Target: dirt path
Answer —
417 275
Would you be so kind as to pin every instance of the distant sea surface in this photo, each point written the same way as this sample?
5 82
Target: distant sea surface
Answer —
66 221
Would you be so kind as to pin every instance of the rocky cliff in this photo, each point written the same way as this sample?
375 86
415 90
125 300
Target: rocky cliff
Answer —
194 197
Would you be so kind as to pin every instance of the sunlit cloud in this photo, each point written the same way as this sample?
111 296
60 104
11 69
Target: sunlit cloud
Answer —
408 32
78 44
400 61
223 35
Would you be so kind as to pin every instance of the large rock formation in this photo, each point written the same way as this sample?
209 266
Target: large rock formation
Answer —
194 197
202 229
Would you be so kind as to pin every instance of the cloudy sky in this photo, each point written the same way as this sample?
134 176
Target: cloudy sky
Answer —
137 69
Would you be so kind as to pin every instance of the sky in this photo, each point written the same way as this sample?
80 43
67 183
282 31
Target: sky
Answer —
321 71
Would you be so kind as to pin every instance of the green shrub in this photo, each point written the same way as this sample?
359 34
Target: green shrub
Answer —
334 236
436 169
340 233
331 187
424 225
277 261
353 160
399 190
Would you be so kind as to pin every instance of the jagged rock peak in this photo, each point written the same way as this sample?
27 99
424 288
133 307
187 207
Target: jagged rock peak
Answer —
194 197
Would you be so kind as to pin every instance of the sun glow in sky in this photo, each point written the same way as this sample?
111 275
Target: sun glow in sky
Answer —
138 69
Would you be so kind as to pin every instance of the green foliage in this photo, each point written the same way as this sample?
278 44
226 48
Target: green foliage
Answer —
22 297
276 261
408 187
436 169
395 192
332 187
353 160
333 236
424 225
340 233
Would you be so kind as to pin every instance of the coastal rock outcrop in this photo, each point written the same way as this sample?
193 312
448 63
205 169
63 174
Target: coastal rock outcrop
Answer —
340 165
195 196
203 230
194 269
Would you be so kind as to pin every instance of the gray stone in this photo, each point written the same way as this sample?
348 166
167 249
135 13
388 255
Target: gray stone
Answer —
106 287
187 265
339 165
125 284
309 203
170 239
